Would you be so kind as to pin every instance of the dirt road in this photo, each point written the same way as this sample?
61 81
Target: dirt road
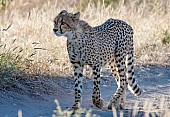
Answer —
155 82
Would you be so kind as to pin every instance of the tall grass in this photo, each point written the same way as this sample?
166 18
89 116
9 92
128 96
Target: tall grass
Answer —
31 24
31 27
28 45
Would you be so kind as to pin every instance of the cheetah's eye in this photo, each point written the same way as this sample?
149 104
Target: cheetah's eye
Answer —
65 24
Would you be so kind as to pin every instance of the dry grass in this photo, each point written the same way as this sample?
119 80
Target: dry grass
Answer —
147 110
30 24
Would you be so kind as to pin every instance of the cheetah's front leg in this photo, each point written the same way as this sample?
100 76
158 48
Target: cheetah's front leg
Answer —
97 101
78 77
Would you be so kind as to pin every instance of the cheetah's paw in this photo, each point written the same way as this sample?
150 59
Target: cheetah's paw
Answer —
99 103
116 104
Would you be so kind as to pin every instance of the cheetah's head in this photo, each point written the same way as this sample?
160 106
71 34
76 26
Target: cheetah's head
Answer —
65 23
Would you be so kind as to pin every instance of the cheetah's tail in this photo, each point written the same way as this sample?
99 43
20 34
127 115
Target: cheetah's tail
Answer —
132 84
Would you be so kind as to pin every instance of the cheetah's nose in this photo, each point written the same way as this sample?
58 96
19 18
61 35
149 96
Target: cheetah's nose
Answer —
55 30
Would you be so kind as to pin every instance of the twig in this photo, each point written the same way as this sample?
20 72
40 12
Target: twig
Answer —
7 28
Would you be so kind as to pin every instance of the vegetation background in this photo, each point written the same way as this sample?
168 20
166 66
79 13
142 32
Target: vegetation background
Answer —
28 44
29 49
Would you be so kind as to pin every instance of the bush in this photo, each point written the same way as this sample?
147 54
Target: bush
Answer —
166 38
4 4
9 60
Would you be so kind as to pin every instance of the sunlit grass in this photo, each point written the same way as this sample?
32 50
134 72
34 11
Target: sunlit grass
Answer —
32 30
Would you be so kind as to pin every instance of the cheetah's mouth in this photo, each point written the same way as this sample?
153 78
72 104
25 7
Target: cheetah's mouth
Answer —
58 34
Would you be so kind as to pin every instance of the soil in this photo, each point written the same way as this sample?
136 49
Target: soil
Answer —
35 97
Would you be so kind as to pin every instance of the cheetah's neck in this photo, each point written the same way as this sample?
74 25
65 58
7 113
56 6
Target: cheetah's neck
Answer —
82 27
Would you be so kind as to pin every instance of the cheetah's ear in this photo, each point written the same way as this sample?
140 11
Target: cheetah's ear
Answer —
63 12
77 15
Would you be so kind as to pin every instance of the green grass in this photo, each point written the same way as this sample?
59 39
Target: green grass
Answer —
166 37
4 4
10 61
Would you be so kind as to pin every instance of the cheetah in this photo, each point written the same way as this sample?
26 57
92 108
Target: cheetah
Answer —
110 43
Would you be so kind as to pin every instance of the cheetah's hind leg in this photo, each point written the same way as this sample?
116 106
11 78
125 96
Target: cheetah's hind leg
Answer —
118 102
115 74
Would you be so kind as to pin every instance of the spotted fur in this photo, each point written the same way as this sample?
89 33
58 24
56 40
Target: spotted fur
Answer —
110 43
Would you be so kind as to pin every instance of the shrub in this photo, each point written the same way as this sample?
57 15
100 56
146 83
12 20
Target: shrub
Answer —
166 38
4 4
